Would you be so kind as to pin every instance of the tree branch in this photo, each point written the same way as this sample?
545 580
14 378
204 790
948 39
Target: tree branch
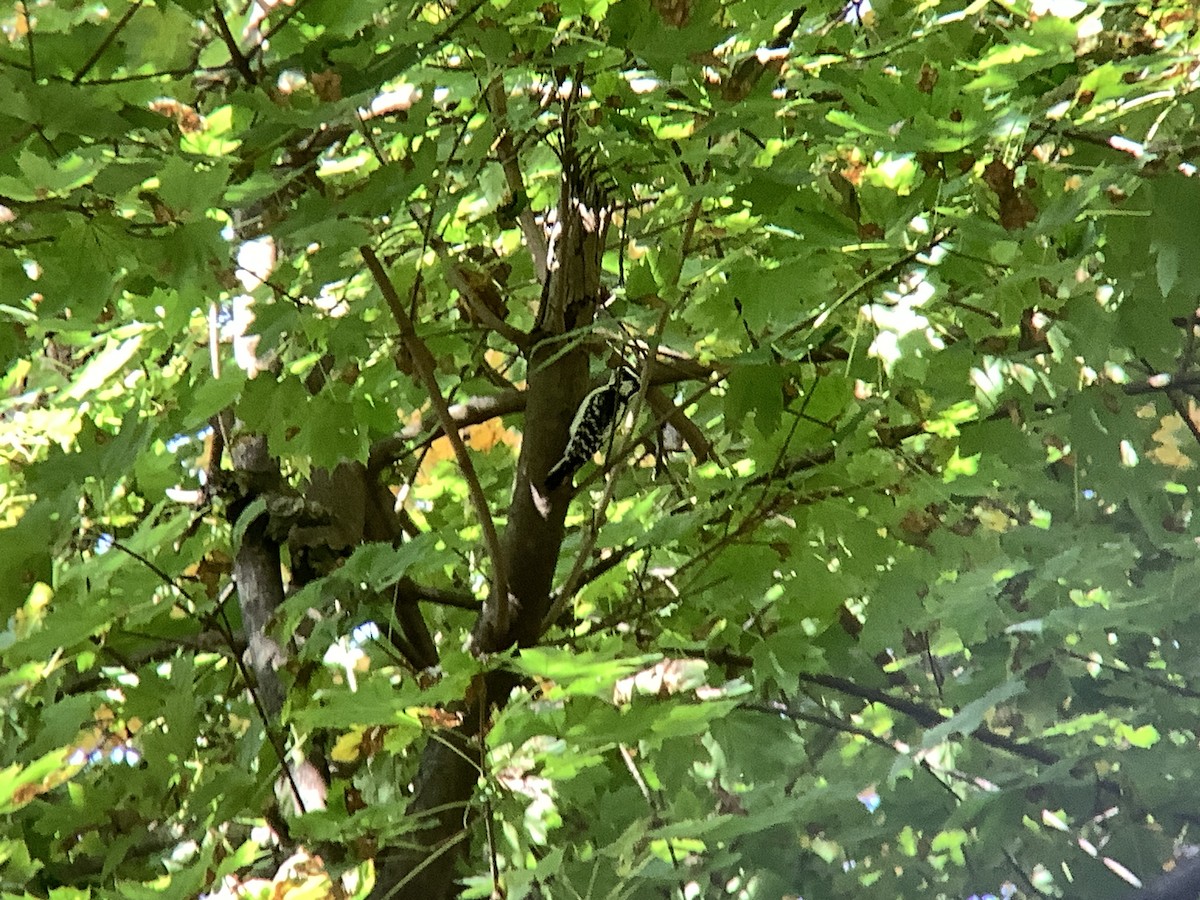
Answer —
458 281
475 411
929 718
591 573
922 715
667 412
612 457
1189 416
1181 883
425 366
506 153
1164 381
256 569
107 42
258 576
33 72
275 27
240 62
440 597
879 276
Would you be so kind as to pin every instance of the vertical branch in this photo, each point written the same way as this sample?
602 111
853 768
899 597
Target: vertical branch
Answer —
644 384
33 76
558 380
528 555
259 578
506 153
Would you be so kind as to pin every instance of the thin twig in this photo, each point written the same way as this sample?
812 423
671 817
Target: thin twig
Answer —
153 567
506 153
1164 381
369 138
602 567
435 852
275 740
627 758
1189 420
455 24
181 72
459 282
107 42
488 811
239 60
427 230
885 273
425 366
1029 885
29 42
1180 690
652 801
929 718
993 319
480 409
283 20
439 597
575 578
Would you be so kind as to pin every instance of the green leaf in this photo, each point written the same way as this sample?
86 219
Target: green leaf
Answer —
20 785
587 674
189 188
970 717
253 511
375 701
380 566
756 389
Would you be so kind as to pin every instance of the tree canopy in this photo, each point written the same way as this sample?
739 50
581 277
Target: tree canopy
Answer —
878 586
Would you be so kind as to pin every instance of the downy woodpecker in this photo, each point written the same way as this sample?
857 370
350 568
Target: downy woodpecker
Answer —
594 422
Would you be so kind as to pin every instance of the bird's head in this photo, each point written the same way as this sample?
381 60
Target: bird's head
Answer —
626 380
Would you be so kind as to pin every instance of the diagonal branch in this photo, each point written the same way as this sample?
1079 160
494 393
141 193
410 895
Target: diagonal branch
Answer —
924 716
1164 381
275 28
33 72
424 364
1185 412
929 718
239 60
879 276
574 579
459 281
438 596
237 649
668 413
506 153
107 42
474 411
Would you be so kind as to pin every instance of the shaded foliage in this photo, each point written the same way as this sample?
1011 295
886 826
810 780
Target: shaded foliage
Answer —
882 587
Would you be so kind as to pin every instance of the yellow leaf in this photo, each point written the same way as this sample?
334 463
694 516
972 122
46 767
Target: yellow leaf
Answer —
346 750
488 434
993 519
1169 450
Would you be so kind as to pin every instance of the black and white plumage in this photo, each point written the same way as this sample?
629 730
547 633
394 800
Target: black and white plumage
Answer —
594 421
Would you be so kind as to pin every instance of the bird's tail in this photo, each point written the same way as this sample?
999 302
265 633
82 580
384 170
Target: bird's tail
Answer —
558 474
